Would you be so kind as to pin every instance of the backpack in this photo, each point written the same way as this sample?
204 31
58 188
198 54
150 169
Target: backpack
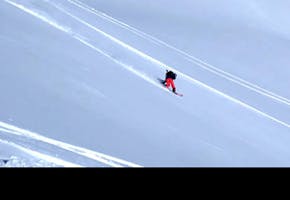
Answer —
174 76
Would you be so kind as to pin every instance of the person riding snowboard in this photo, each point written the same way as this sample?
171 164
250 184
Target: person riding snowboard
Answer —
169 77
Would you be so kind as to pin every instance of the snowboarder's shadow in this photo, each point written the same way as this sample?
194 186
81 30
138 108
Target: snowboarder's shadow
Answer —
161 81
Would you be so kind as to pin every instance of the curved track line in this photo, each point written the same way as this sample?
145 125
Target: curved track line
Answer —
100 157
189 57
42 156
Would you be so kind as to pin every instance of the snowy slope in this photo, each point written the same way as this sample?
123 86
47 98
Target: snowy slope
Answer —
81 76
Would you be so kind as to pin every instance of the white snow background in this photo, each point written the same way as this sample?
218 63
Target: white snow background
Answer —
79 83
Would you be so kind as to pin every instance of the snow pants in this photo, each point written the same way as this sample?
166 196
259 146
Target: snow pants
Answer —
169 82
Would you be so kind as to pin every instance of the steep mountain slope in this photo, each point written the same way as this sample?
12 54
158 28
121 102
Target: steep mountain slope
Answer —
74 74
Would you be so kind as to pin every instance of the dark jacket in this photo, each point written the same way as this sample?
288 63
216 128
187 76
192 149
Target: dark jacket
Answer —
170 74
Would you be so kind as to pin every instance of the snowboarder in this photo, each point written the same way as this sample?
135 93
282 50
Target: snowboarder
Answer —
169 77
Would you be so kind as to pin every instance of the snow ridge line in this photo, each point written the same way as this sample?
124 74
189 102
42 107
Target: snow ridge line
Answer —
42 156
189 57
162 65
100 157
145 56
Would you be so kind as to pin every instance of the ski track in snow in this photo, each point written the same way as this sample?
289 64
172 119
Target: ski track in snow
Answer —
189 57
137 52
100 157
